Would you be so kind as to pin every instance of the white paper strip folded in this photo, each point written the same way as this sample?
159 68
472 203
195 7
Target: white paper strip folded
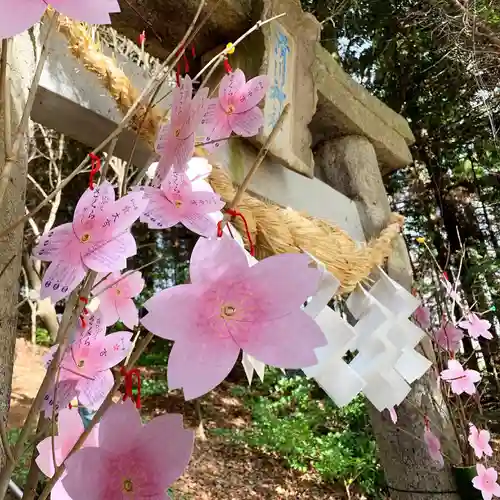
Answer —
411 365
386 389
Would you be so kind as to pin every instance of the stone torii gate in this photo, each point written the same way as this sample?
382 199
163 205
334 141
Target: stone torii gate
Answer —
327 161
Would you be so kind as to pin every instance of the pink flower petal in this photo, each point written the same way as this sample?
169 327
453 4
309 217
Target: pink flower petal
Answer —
212 259
250 94
160 213
54 244
60 280
229 87
108 309
201 224
111 255
169 445
92 12
247 123
199 365
135 283
204 202
198 105
127 312
220 130
19 17
286 342
66 392
181 103
93 392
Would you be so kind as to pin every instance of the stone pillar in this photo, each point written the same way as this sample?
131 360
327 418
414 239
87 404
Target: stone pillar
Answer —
349 164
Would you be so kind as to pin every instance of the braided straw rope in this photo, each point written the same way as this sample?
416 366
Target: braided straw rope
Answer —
273 229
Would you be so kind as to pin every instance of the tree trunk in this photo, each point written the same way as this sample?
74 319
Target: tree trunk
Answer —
350 166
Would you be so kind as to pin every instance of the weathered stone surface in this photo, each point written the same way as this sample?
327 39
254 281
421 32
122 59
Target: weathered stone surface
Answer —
350 165
347 108
165 22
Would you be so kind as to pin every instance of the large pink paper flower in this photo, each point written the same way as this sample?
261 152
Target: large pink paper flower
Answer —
236 109
99 239
131 460
461 380
180 200
422 316
19 15
85 370
448 337
115 295
486 482
176 139
70 427
476 327
433 447
231 306
480 442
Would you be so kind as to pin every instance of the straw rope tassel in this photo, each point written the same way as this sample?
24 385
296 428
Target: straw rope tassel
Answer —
273 229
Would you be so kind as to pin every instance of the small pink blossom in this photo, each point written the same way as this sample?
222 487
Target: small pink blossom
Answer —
70 428
99 239
236 109
176 139
461 380
476 327
433 447
132 460
422 316
19 15
180 200
486 482
393 415
85 369
448 337
115 297
231 306
480 442
450 290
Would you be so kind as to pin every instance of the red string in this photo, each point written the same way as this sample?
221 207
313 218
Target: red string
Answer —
129 382
227 66
84 311
142 37
426 422
186 63
96 166
235 213
445 274
193 51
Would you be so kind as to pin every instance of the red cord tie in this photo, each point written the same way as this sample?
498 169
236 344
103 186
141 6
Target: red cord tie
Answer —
129 383
227 66
96 166
426 422
85 311
235 213
142 37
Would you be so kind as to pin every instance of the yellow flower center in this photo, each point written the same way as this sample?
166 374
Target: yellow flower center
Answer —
81 363
230 109
227 311
128 486
85 237
177 132
178 203
118 291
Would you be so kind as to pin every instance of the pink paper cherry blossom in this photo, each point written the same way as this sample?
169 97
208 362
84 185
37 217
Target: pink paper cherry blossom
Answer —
422 316
450 290
433 446
85 370
486 482
19 15
176 139
461 380
180 200
131 460
236 109
231 306
476 327
115 295
70 428
480 441
99 239
448 337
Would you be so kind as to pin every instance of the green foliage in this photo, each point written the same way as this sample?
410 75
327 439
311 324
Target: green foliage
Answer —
22 468
292 418
43 337
153 387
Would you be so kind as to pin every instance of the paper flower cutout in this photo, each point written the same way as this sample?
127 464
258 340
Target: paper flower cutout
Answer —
85 370
486 482
422 316
448 337
461 380
476 327
19 15
480 442
176 139
131 460
99 239
393 415
236 109
115 295
231 306
180 200
433 447
450 291
70 427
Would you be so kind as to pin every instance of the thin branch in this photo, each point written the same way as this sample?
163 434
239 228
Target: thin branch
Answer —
35 183
5 96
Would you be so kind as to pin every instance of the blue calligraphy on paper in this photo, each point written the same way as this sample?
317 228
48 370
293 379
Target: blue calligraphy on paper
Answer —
277 93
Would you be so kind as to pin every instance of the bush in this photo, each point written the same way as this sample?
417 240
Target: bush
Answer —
294 419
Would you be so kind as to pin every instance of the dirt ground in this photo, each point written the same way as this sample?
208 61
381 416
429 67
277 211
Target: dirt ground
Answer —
217 470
